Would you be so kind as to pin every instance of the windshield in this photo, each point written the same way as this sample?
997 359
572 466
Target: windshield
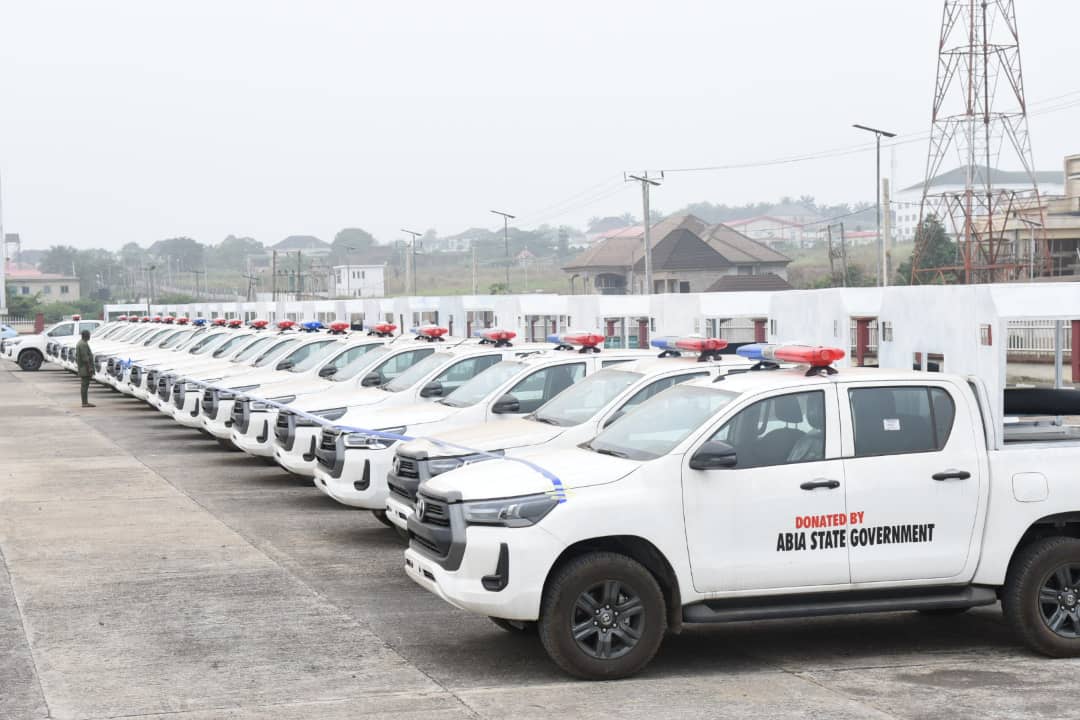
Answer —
659 424
350 361
153 336
248 352
230 345
413 375
268 357
580 402
208 343
312 354
172 340
483 384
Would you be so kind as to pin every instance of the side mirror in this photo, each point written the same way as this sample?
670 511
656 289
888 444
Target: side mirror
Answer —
714 455
505 405
372 379
328 371
284 365
618 414
432 389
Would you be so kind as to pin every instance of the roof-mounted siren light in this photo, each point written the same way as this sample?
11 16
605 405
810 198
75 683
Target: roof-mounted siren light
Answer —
706 348
430 333
587 341
220 322
182 321
133 318
495 336
312 326
383 329
199 322
76 318
340 328
122 318
819 358
156 318
286 325
144 318
258 324
168 319
235 323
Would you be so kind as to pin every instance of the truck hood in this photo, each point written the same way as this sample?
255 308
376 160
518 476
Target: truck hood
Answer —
298 386
574 468
486 436
335 397
413 414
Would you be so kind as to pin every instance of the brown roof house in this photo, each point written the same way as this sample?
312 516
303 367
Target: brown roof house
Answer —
688 255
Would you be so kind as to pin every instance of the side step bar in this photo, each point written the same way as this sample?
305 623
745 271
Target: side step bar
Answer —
837 603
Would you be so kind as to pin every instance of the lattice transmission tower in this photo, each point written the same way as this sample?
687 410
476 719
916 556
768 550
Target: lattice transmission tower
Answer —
980 119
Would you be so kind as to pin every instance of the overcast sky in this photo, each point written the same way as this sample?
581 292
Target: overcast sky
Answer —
139 120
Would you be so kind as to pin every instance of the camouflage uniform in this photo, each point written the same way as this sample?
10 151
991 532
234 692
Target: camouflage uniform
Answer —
84 358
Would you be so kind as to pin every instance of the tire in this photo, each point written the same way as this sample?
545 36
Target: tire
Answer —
1037 599
515 627
602 582
227 444
30 360
380 515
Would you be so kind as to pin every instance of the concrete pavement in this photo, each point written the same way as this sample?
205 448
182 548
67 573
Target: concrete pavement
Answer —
148 573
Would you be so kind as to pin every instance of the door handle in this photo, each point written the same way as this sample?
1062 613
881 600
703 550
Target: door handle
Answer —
951 475
820 483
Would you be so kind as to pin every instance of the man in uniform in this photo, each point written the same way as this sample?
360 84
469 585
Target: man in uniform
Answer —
84 358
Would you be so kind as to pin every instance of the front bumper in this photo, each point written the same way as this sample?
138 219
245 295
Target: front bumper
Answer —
362 481
258 437
299 460
530 553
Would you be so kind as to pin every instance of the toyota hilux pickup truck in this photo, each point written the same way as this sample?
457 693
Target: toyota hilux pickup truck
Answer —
61 351
572 417
158 379
436 366
28 351
352 467
787 493
254 418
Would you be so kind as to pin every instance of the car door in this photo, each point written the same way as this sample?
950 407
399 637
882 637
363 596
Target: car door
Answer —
912 469
538 387
775 519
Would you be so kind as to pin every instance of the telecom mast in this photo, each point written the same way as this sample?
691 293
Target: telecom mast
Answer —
978 59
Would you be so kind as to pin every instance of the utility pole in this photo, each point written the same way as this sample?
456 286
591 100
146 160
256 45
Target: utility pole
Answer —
646 183
877 192
886 240
410 263
273 275
473 245
506 243
299 276
197 273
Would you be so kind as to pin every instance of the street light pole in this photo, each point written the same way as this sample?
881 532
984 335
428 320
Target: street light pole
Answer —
506 243
410 258
883 272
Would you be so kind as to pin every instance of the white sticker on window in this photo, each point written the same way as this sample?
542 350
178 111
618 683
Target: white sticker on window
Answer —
891 424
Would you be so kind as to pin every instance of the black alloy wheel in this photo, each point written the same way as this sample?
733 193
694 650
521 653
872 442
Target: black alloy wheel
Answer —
1042 596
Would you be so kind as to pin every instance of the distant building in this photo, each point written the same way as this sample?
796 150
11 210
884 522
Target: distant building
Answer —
773 230
359 281
308 245
1060 217
24 281
906 202
688 255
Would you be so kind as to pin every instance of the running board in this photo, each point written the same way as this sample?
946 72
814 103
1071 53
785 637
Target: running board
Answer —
837 603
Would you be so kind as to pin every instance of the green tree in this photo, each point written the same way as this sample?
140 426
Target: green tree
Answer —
232 253
350 242
934 250
60 260
182 250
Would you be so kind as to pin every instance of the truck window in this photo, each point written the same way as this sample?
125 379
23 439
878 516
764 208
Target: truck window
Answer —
65 330
778 430
464 370
653 388
542 385
895 420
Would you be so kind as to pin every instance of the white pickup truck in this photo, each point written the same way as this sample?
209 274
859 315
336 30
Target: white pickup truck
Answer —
764 495
29 350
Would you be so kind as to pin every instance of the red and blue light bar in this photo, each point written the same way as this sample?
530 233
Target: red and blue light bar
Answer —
122 318
431 333
168 319
587 341
182 321
220 322
495 336
382 329
286 324
817 356
235 323
337 328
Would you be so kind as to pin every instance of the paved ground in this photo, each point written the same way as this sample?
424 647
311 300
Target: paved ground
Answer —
146 573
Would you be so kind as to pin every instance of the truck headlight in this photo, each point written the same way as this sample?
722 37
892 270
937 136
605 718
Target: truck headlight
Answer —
331 414
520 511
440 465
263 405
373 442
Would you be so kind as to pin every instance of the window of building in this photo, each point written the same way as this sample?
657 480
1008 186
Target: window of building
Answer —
895 420
46 289
63 289
25 290
684 287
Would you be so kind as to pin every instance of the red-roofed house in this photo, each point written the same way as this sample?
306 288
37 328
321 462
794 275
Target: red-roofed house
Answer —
25 281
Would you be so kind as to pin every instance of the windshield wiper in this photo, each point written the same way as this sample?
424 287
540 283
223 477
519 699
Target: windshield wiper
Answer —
548 421
607 451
